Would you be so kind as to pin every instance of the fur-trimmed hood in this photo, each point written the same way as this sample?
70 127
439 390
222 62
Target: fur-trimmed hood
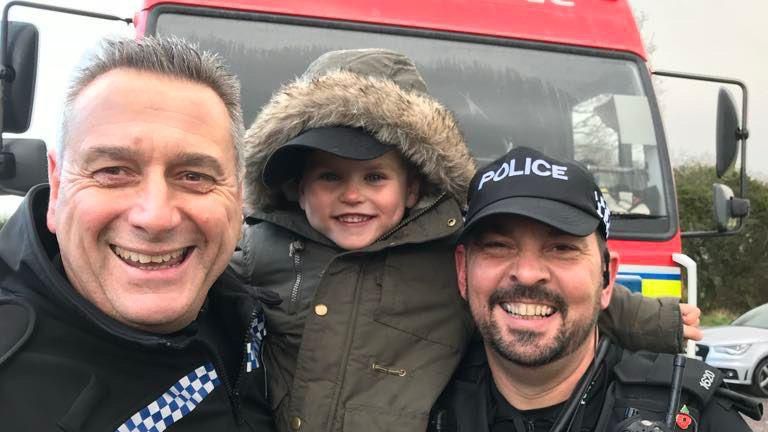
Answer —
423 130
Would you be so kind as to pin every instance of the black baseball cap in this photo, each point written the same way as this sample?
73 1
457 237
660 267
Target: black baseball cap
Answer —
287 162
525 182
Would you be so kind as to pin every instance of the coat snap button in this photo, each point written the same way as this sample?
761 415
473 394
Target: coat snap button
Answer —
321 309
295 423
451 222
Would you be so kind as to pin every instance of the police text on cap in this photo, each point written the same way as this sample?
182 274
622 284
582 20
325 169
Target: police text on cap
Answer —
538 167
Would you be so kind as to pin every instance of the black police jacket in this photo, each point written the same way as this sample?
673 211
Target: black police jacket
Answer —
629 387
65 366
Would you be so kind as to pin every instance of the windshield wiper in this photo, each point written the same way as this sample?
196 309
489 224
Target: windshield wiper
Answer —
635 216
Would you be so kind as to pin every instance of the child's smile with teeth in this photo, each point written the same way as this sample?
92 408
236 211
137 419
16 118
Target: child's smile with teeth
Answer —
354 218
355 202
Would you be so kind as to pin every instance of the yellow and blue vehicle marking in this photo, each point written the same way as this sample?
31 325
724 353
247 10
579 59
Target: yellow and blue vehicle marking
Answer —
652 281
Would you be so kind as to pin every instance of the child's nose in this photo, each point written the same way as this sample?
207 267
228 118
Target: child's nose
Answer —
351 193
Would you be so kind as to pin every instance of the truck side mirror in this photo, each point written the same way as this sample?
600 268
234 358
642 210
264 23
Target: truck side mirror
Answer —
25 160
18 75
728 132
22 161
727 208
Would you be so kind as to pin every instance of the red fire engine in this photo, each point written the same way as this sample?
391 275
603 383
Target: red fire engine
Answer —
569 77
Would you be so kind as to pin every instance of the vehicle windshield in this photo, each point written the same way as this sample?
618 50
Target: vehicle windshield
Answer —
584 107
757 317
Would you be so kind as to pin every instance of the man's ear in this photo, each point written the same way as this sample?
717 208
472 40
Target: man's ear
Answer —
460 259
54 180
413 193
613 269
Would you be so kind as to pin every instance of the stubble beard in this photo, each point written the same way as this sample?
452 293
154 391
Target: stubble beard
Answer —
570 336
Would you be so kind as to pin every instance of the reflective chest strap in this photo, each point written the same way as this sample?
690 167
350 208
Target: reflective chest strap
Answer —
188 392
179 400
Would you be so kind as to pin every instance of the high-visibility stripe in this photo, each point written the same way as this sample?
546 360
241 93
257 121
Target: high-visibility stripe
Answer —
652 281
179 400
662 288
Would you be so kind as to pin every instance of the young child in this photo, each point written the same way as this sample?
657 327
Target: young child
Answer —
355 180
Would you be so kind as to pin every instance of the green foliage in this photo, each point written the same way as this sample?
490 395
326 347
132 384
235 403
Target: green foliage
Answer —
717 317
731 268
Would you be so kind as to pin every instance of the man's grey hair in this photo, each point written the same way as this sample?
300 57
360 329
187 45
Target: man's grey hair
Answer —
170 56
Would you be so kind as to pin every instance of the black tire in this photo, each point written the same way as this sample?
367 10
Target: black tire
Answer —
760 379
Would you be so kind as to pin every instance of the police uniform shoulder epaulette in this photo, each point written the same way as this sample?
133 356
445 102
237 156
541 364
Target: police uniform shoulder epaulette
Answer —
17 320
699 379
749 406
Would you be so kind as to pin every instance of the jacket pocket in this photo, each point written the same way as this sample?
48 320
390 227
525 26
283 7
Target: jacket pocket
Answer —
374 419
402 374
46 392
81 409
419 296
275 365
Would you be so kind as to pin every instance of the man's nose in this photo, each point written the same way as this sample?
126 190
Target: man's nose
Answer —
529 269
155 210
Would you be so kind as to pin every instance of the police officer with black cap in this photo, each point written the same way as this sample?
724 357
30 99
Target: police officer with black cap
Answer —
534 267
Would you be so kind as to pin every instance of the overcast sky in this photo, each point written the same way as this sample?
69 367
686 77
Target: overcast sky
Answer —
711 37
64 41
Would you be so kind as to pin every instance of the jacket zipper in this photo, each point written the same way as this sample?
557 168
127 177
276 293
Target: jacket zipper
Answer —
413 217
243 361
221 371
293 251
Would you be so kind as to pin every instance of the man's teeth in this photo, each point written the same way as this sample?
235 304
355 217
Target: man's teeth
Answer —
528 309
146 259
353 218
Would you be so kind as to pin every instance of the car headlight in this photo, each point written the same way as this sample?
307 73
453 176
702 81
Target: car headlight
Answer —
734 350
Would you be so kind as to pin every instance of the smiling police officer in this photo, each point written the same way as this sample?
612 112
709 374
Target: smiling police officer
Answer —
116 312
534 267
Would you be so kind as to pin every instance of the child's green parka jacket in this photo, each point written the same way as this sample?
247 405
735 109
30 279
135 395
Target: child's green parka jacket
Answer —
366 340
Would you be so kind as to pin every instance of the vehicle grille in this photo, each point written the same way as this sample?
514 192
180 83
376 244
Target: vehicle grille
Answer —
702 351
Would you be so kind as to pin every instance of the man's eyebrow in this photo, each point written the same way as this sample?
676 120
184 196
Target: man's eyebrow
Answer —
109 152
199 160
555 232
189 159
490 229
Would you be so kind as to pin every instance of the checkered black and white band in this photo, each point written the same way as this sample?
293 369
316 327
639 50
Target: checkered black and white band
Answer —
184 396
253 347
175 403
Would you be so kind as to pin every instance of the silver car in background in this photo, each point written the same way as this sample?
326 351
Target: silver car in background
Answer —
740 350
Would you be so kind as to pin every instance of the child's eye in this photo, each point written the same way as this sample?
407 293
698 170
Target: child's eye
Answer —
328 176
375 177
